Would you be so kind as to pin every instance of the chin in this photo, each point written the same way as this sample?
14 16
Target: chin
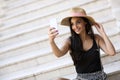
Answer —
77 32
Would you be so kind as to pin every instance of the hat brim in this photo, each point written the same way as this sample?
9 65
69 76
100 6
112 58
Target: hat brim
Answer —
66 22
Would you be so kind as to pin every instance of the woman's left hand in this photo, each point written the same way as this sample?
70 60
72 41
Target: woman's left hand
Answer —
99 28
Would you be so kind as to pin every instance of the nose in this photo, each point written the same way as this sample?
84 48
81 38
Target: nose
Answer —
74 26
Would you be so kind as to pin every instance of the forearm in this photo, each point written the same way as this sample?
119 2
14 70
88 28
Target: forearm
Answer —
109 46
55 49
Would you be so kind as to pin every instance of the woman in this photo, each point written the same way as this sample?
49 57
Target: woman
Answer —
84 46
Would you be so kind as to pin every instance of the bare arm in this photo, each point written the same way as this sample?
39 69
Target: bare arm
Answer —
104 42
58 52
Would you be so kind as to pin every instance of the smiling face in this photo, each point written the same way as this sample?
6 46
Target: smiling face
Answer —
78 25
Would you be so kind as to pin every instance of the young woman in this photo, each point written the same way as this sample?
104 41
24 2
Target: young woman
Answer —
84 46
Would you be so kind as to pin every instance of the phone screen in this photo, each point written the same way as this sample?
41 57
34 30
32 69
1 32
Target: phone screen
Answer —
53 23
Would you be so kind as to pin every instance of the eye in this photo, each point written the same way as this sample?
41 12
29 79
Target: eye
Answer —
78 22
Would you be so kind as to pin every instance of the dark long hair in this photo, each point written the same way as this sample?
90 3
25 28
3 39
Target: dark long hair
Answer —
76 42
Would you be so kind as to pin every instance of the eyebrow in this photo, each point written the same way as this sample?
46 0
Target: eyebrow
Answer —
76 21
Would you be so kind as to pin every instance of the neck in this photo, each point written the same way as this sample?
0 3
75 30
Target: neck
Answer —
83 36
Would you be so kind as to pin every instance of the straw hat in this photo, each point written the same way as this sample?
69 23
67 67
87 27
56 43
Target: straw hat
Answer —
76 12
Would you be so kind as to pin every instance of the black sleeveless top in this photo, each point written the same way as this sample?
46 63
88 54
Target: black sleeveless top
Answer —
89 61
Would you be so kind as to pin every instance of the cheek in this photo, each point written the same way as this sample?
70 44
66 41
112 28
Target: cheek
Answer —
73 27
83 26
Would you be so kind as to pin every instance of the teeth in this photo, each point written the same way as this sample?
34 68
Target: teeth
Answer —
77 30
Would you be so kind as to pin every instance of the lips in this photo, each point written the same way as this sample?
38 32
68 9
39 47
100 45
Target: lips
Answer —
77 30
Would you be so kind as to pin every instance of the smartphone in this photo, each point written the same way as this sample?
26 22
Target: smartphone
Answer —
53 23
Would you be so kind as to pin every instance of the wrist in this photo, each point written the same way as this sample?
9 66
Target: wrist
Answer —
104 36
51 41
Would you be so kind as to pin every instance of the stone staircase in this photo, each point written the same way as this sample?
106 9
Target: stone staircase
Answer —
25 53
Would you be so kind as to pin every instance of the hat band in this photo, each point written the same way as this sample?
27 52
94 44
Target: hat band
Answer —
77 14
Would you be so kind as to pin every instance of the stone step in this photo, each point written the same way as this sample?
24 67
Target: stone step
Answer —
27 6
41 32
35 44
28 45
115 42
25 28
37 58
8 33
33 55
36 14
41 24
38 69
11 4
111 73
56 67
25 57
26 35
25 52
30 60
42 40
34 58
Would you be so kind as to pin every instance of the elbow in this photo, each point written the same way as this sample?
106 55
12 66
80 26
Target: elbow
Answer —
112 54
58 56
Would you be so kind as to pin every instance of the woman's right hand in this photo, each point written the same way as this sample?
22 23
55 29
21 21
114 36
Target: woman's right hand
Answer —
52 33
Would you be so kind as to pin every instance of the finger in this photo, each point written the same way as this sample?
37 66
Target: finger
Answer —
54 31
53 35
51 28
97 25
